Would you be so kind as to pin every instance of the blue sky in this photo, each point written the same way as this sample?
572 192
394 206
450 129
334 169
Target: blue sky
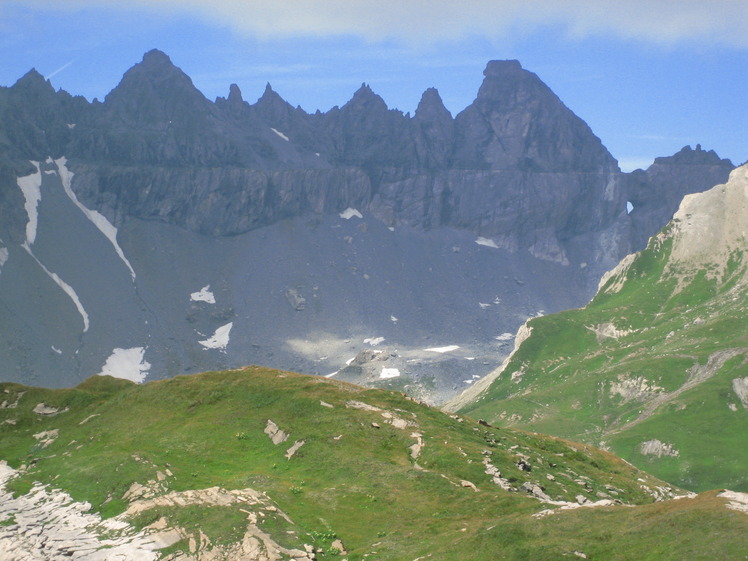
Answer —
648 76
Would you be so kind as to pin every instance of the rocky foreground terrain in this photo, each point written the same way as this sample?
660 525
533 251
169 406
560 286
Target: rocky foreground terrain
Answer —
257 464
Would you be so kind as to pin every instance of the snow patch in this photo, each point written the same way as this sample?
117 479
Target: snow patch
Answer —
393 319
220 338
128 364
488 242
374 341
484 305
349 213
56 350
505 337
389 373
279 133
629 207
3 256
31 187
96 218
66 288
447 349
204 295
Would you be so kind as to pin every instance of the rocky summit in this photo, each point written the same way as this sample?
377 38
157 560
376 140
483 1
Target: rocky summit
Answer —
157 232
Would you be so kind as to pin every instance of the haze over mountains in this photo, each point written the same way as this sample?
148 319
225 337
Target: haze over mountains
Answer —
158 233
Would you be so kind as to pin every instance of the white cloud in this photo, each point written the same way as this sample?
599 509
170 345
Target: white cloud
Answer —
421 21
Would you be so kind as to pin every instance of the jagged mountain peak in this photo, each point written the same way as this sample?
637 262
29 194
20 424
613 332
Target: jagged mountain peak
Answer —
506 82
691 156
517 121
271 98
364 97
431 106
235 94
501 68
33 86
153 86
156 58
33 79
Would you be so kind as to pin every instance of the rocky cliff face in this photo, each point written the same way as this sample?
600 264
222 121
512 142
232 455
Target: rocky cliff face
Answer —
656 192
516 164
515 171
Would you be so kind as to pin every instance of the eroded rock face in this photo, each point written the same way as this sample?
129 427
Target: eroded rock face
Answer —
656 192
174 174
516 164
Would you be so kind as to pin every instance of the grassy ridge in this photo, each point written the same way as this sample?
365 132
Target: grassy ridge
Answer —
353 479
665 373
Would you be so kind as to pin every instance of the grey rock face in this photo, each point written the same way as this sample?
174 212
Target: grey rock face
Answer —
656 192
252 198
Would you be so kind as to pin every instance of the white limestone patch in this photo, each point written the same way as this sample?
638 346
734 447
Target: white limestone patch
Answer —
127 364
275 433
738 501
442 350
740 387
96 218
608 331
31 187
389 373
69 529
220 338
47 437
280 134
349 213
637 387
657 448
47 410
203 295
294 448
487 242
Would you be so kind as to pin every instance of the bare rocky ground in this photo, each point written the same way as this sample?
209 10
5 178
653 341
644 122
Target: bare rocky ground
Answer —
48 525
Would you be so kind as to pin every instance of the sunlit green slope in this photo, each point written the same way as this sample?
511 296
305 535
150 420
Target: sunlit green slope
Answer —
655 368
369 473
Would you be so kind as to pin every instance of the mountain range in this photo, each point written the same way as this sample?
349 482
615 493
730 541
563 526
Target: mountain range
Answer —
156 232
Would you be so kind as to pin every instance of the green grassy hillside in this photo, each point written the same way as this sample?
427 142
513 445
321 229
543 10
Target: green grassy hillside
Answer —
378 476
655 368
